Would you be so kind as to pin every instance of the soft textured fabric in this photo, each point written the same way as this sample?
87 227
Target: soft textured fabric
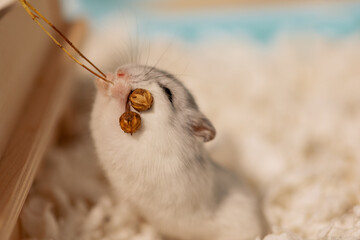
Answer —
287 117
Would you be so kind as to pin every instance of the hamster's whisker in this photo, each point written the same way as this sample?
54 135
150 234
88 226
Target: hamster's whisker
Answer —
162 55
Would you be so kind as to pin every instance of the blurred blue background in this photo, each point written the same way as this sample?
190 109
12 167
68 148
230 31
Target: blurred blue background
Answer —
260 22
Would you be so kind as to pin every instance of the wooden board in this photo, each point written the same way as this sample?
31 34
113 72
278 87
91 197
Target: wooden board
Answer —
5 3
23 51
34 128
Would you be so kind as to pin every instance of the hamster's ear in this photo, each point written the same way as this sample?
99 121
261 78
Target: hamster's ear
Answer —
102 86
202 127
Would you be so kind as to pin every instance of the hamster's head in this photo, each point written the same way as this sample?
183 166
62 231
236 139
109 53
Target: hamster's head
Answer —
174 111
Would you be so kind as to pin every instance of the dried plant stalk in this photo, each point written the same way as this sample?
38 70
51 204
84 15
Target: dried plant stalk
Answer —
30 10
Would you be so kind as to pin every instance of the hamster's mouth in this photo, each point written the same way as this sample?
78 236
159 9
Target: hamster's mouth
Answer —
121 88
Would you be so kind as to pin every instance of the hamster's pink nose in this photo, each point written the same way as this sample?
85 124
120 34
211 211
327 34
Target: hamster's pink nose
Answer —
120 74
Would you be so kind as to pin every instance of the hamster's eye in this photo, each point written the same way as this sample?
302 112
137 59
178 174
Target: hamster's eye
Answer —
168 93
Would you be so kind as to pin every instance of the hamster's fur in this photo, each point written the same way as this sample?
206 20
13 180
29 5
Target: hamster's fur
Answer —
163 169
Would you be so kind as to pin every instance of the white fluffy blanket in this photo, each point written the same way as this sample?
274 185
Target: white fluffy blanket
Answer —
287 116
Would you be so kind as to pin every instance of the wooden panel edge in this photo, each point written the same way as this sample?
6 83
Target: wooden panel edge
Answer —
24 49
33 132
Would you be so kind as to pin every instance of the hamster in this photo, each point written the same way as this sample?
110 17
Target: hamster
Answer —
163 169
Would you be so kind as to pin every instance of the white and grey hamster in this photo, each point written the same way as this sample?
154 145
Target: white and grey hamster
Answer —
163 169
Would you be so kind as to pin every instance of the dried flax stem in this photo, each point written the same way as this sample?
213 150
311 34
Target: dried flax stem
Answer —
63 36
27 6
